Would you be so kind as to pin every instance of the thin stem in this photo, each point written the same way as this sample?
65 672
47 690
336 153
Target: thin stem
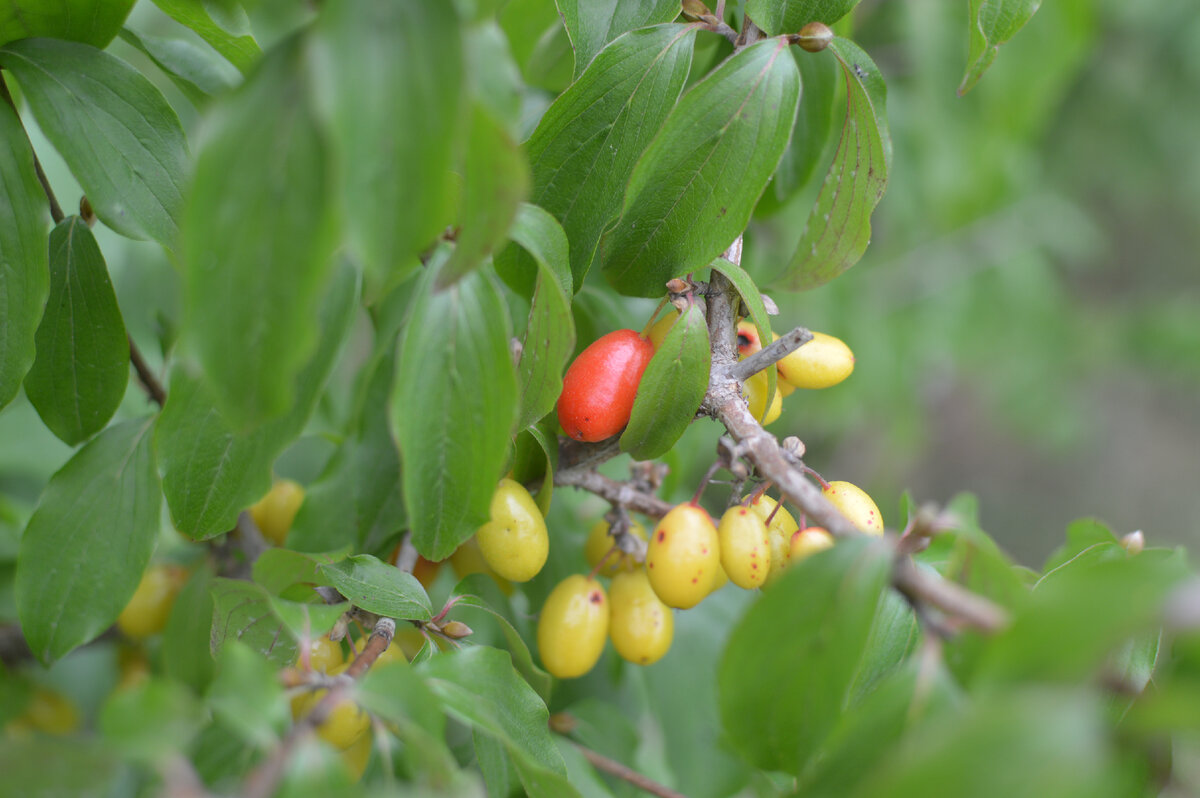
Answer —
620 493
56 211
146 376
615 768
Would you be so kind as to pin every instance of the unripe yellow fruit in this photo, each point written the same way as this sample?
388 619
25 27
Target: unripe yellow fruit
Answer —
748 341
745 547
323 655
755 389
147 611
683 556
573 626
821 363
514 542
719 580
599 542
856 505
780 534
275 512
346 721
808 541
47 711
358 755
661 327
641 626
468 559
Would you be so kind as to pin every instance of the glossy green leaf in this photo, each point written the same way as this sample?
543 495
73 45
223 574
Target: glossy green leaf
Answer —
992 23
671 389
196 70
246 695
535 457
399 696
452 409
477 597
242 611
392 87
495 183
683 205
93 22
743 283
357 500
895 634
788 16
307 620
587 142
88 542
817 620
480 687
24 269
839 226
279 569
151 721
550 333
210 471
1082 534
814 123
258 237
378 587
496 79
113 127
186 655
592 24
1033 743
233 41
82 365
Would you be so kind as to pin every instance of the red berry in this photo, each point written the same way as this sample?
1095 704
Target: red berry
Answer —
599 387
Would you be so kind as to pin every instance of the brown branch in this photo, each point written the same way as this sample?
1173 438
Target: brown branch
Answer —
146 375
619 493
615 768
56 211
771 354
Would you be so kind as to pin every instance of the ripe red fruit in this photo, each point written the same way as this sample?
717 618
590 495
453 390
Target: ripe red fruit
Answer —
599 387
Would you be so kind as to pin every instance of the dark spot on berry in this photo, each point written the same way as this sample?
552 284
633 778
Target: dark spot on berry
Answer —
743 341
662 536
596 598
650 564
694 580
754 565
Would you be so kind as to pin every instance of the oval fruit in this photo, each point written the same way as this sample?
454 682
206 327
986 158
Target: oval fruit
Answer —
640 625
573 626
745 547
683 556
346 721
821 363
323 655
274 513
47 711
748 340
755 389
856 505
514 543
357 756
599 542
467 559
147 611
600 386
659 331
808 541
780 530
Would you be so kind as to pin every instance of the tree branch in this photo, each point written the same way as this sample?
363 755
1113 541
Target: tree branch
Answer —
56 211
563 724
146 375
619 493
771 354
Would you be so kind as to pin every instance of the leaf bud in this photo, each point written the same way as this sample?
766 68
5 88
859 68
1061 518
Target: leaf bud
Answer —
814 37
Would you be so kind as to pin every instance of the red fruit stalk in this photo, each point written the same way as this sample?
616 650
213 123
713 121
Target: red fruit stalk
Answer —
600 386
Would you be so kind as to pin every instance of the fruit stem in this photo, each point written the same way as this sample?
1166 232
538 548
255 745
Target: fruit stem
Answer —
600 563
775 509
815 476
704 480
756 494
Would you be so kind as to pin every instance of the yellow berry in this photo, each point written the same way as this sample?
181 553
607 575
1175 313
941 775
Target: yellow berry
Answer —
745 547
468 559
573 626
821 363
323 655
346 721
719 580
147 611
808 541
48 712
274 513
641 626
514 543
780 531
748 341
755 389
599 542
856 505
661 327
357 756
683 555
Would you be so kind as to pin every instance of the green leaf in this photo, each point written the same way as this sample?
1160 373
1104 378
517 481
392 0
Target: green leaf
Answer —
839 226
587 142
279 569
684 205
197 71
115 130
186 655
895 634
357 500
592 24
550 333
399 696
495 182
478 595
152 721
535 456
452 409
82 366
1033 743
24 269
752 298
480 688
305 620
814 123
671 389
89 540
392 87
258 238
993 22
237 45
378 587
785 676
242 611
246 695
1082 534
83 768
93 22
210 471
789 16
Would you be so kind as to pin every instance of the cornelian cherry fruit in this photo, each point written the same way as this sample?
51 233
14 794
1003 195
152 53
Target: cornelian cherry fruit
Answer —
599 387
